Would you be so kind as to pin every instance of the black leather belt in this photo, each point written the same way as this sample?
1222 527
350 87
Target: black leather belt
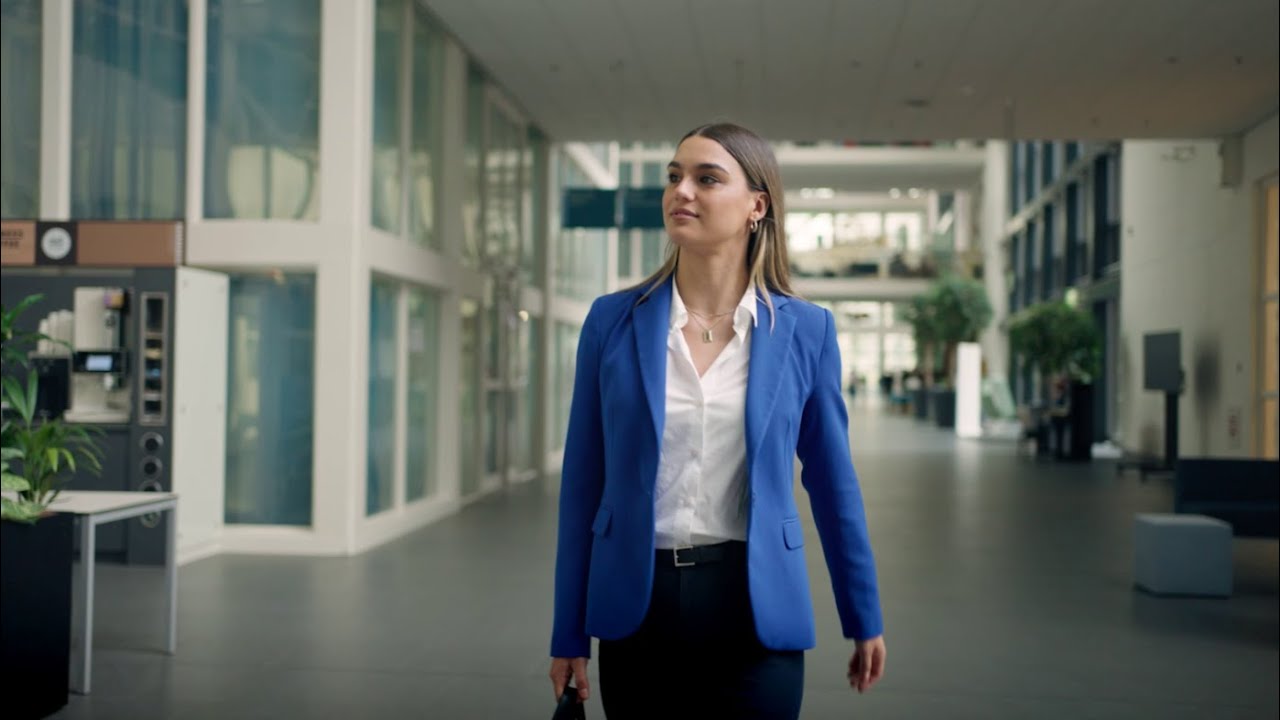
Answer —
701 554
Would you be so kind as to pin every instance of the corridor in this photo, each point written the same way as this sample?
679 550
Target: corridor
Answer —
1005 582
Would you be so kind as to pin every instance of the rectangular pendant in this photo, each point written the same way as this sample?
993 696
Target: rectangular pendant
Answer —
706 336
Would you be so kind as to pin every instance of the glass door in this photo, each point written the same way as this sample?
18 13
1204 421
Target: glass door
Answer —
507 346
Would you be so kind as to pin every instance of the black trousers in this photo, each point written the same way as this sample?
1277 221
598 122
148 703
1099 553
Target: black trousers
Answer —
696 654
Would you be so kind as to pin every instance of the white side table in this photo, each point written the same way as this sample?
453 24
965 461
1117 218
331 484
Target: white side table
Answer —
93 508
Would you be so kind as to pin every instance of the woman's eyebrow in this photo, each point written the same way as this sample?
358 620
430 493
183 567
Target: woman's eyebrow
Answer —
673 165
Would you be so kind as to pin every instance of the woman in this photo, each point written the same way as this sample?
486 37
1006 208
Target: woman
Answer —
680 544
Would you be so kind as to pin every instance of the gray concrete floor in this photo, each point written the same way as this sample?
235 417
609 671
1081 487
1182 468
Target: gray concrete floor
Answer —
1005 583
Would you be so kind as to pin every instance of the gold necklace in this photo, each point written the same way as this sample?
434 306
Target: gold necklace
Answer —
707 335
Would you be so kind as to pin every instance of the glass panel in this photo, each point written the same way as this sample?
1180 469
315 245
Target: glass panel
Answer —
387 157
653 251
470 381
472 150
502 189
904 231
381 468
262 135
421 399
129 128
492 387
270 391
566 360
20 49
536 190
527 383
428 113
624 252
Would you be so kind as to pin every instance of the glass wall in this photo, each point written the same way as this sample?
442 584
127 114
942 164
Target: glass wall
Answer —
472 152
129 128
425 137
380 469
262 111
421 394
566 359
535 191
270 391
527 387
386 170
503 152
405 127
469 409
20 76
581 254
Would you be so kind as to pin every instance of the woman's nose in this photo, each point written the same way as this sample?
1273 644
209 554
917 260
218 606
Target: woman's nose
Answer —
683 189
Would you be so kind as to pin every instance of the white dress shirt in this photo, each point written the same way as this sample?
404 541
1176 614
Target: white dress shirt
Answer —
701 493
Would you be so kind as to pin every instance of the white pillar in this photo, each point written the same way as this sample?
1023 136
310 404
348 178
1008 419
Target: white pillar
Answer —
342 282
56 45
995 214
968 390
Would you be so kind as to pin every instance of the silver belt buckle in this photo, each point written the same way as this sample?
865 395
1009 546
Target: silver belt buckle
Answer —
675 555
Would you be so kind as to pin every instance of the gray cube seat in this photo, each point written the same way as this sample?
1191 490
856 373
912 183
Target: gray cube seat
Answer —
1180 554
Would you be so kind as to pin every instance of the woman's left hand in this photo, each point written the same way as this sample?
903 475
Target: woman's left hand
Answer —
867 664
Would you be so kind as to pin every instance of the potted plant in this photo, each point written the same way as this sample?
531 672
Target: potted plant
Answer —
920 315
961 311
1063 343
36 455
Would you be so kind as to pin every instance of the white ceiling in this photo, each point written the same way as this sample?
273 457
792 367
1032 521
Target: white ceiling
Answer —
859 69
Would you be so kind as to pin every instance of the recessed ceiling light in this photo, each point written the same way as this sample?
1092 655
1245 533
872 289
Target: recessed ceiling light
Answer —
895 193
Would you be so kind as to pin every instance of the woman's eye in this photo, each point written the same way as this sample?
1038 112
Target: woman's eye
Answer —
708 179
671 178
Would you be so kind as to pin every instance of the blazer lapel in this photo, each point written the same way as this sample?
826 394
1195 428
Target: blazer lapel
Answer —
652 322
769 353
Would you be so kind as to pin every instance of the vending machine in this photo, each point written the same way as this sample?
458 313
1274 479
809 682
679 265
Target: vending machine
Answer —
136 348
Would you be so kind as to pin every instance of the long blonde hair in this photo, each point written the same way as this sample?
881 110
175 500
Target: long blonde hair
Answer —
767 245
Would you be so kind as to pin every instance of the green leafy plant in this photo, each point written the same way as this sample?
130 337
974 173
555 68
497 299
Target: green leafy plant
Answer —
921 315
1058 339
38 453
955 309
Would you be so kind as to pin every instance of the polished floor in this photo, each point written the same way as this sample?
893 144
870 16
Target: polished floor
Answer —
1005 583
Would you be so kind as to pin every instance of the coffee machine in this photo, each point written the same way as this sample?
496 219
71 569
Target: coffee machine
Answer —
99 368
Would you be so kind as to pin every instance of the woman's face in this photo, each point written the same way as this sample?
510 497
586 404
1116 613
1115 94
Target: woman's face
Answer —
707 201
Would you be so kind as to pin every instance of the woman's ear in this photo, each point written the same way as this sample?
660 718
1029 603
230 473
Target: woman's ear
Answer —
761 207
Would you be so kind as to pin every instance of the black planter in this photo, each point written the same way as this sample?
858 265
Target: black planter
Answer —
1080 444
920 402
944 407
35 623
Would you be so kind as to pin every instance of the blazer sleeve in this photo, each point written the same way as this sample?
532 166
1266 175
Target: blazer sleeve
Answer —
581 486
828 476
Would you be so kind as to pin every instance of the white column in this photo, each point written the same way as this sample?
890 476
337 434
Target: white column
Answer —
198 13
995 213
57 40
342 284
961 212
968 390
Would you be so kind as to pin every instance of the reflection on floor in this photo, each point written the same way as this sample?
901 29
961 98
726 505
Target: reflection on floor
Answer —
1005 581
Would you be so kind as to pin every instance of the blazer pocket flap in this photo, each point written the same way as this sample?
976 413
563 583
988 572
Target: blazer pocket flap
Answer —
604 517
792 534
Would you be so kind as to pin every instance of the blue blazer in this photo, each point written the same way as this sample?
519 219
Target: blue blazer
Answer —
795 405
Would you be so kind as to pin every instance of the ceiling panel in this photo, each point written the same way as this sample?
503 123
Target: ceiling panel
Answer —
845 69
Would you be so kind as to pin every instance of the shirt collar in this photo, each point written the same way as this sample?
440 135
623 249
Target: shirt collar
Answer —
746 311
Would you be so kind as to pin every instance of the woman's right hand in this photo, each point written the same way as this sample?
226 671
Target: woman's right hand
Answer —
565 669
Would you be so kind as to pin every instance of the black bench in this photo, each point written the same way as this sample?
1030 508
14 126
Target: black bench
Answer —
1244 493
